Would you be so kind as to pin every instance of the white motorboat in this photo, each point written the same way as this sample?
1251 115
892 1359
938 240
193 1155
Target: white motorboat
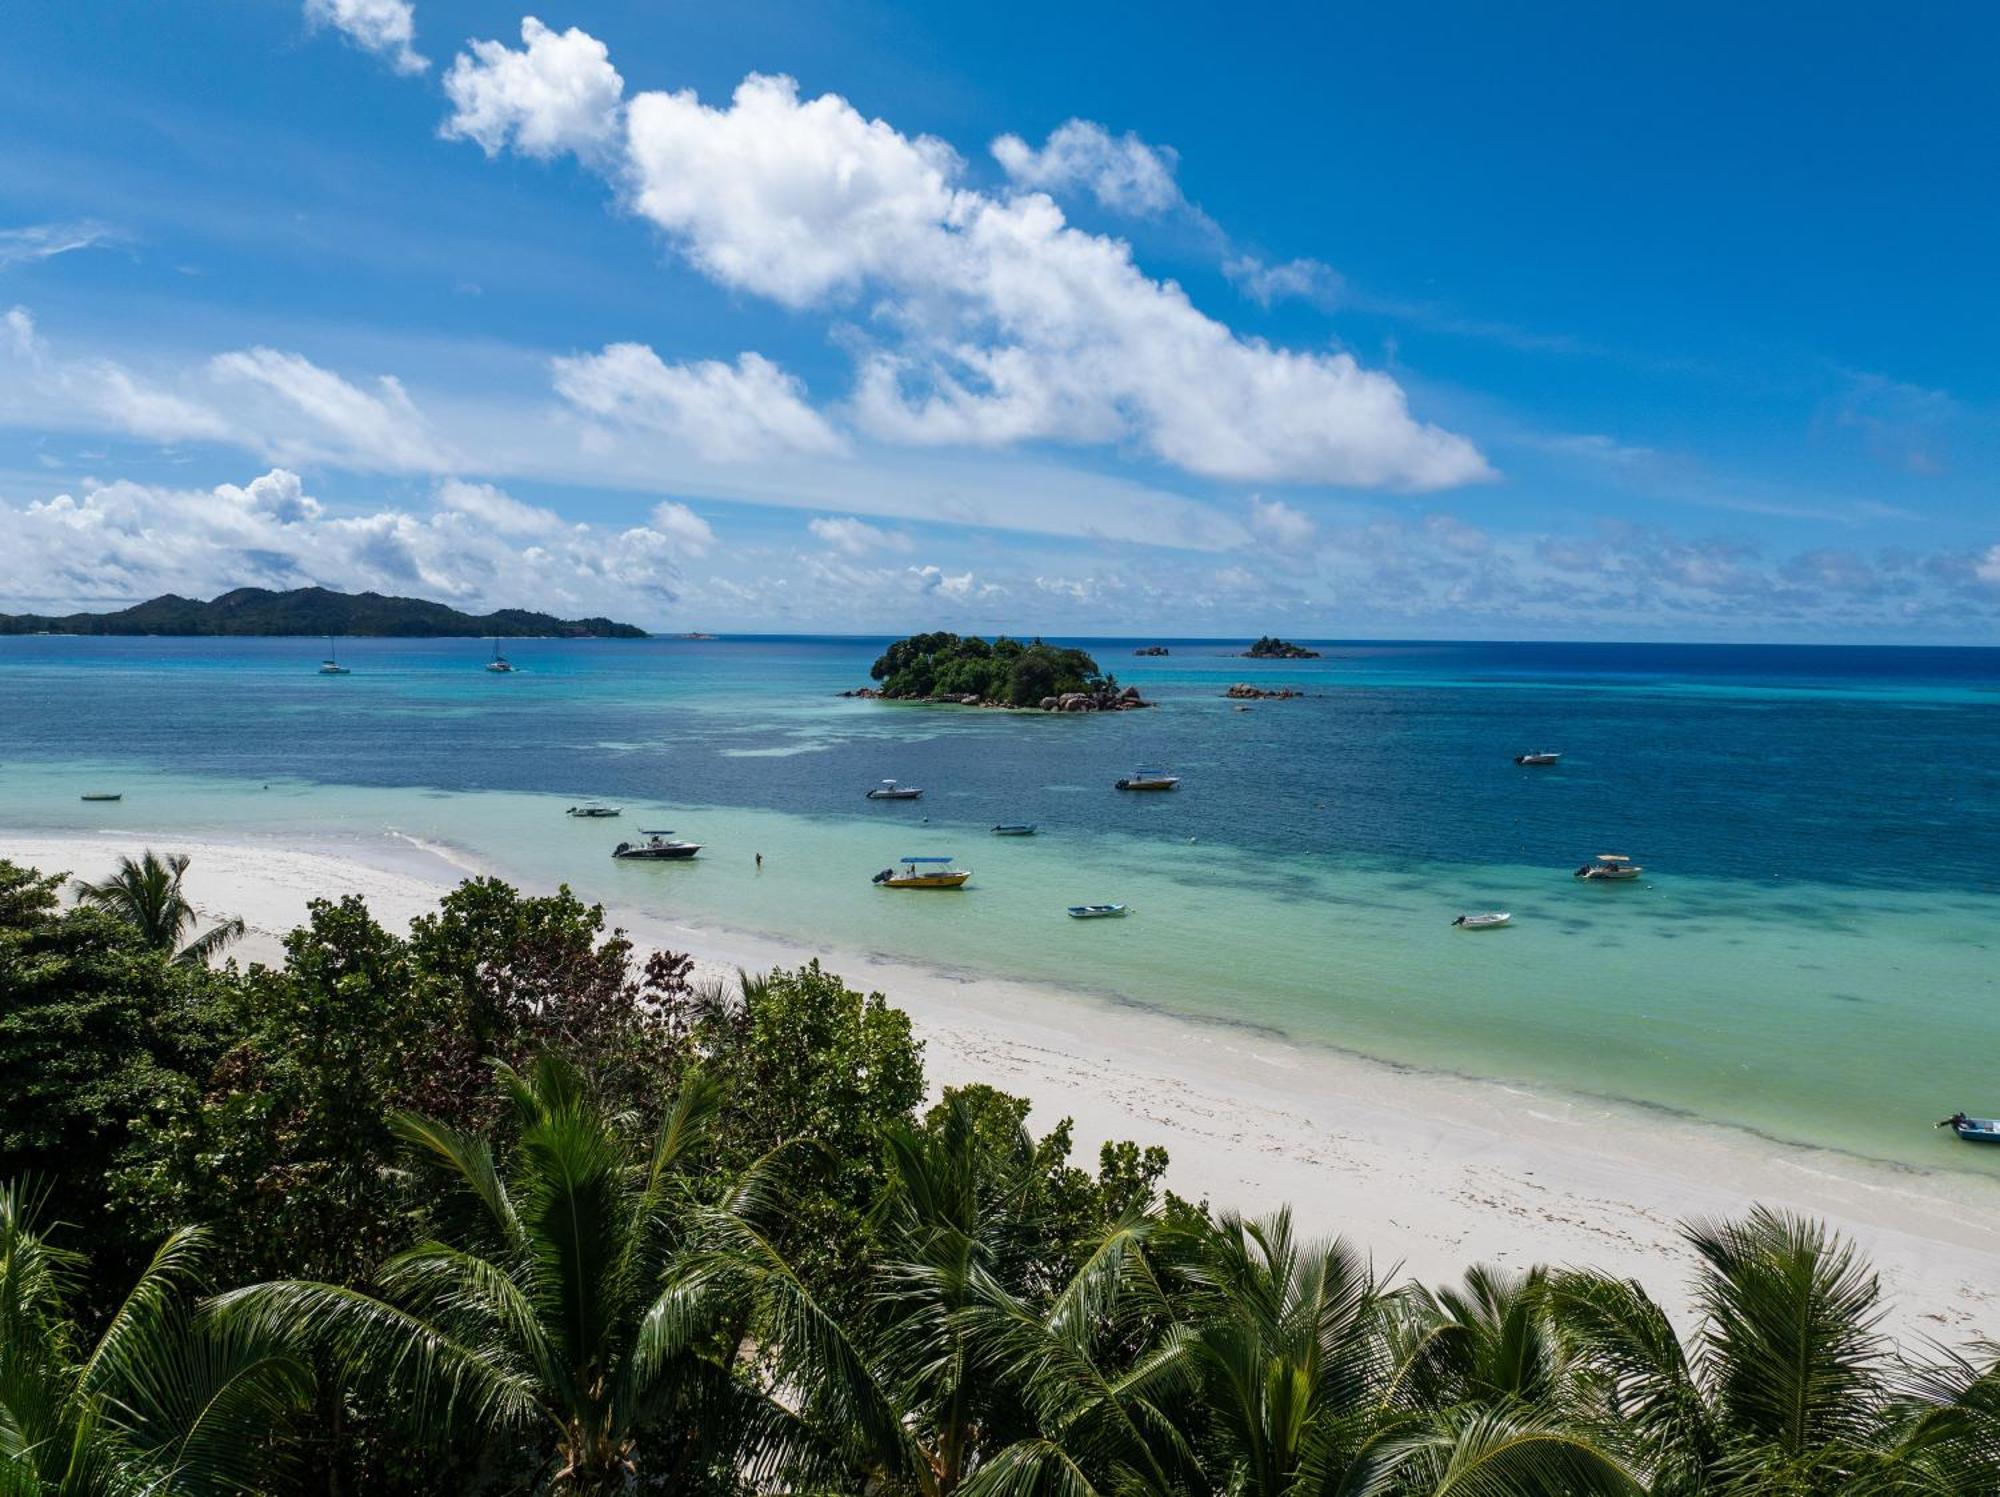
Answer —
1538 756
890 790
1096 911
1610 867
1147 779
1490 920
594 812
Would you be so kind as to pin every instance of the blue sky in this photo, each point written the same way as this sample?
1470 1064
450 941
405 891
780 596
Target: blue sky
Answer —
1583 322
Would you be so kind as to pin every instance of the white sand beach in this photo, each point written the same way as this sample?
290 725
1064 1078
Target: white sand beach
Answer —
1430 1172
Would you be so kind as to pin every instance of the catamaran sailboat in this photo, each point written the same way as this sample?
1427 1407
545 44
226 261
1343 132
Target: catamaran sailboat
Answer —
499 663
331 666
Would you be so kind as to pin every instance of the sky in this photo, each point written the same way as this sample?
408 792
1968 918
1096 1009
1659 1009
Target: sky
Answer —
1444 320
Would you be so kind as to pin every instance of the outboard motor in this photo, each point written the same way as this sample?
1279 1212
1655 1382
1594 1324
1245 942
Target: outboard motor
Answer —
884 876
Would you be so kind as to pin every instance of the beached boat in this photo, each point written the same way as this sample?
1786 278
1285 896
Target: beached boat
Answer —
331 666
1973 1130
104 797
592 811
659 847
1096 911
1538 756
1014 829
890 790
924 873
1491 920
1610 866
1147 779
499 663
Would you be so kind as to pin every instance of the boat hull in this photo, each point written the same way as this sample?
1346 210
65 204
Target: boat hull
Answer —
678 854
104 797
1483 922
927 881
1146 785
1978 1130
1537 759
1014 831
1609 875
1097 912
895 795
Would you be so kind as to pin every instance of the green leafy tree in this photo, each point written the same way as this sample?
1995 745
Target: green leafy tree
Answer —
161 1402
1788 1387
593 1319
1003 670
99 1041
147 895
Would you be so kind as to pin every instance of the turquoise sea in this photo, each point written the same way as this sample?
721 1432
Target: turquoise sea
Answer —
1811 954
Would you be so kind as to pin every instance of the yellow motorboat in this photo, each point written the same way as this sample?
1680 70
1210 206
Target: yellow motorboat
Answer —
924 873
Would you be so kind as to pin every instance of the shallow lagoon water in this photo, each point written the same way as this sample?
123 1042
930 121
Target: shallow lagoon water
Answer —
1811 955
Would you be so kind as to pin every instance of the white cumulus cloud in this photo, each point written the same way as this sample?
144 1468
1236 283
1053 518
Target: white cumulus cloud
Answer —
856 537
1003 322
1121 171
326 417
1277 522
558 93
478 547
388 28
724 412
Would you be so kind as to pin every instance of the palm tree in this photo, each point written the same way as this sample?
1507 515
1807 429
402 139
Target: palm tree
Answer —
147 895
161 1403
1787 1387
600 1312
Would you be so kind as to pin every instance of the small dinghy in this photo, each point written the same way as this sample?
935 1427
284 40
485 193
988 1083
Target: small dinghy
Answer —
890 790
1096 911
1973 1130
1014 829
592 811
104 797
1537 756
1491 920
659 847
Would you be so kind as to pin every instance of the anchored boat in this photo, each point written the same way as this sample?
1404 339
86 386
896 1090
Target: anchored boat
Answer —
499 664
659 847
890 790
1014 829
331 666
1147 779
104 797
1096 911
924 873
1610 866
1491 920
1537 756
1973 1130
592 811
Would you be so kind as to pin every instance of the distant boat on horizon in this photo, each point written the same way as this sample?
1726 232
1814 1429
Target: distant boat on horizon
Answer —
890 790
1147 779
331 666
1537 756
499 663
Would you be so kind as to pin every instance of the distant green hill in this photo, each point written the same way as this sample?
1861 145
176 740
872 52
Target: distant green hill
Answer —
315 610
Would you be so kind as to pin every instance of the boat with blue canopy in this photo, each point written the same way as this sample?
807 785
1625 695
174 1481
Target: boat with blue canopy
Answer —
924 873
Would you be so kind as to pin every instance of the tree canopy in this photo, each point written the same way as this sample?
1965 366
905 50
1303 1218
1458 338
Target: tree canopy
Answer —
499 1208
928 666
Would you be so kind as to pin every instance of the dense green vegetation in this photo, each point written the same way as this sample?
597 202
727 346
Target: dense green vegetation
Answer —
498 1208
314 610
1270 647
926 666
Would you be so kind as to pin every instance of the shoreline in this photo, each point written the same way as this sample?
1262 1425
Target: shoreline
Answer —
1430 1171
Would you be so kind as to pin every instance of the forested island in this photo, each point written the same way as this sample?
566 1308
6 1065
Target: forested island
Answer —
1270 647
504 1206
316 610
975 672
